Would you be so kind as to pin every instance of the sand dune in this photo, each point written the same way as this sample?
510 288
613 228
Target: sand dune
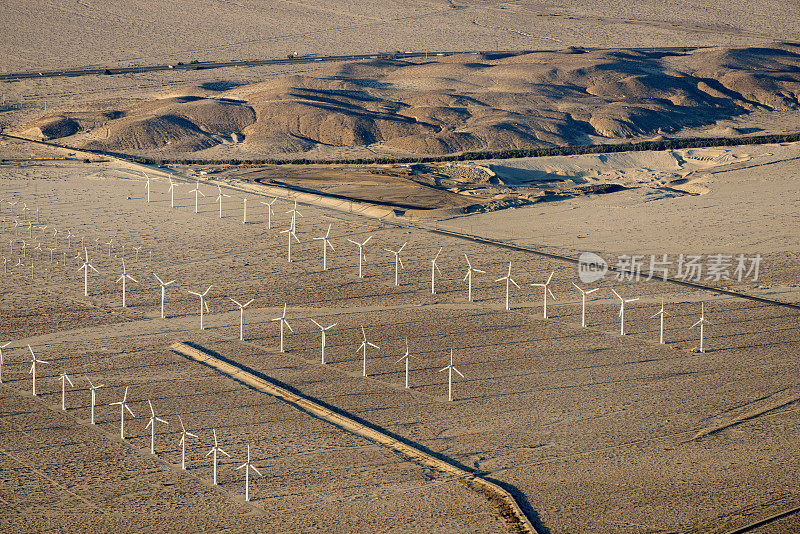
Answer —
455 104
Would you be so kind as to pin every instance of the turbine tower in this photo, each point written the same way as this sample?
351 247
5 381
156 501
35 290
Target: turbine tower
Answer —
323 329
247 467
434 269
216 448
184 433
86 266
583 301
123 405
283 322
325 244
361 255
622 303
405 357
450 368
363 347
660 313
202 303
509 281
151 424
545 289
241 315
701 323
34 361
93 389
163 288
123 277
398 263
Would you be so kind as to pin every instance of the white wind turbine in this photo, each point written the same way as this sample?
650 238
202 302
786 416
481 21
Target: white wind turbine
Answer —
148 185
197 195
152 425
434 269
323 329
34 361
361 255
172 193
363 347
216 448
325 244
660 313
202 303
290 234
219 199
622 303
405 357
546 289
163 288
509 281
123 405
283 322
64 377
701 323
398 263
123 278
450 368
247 467
294 213
244 213
241 315
269 212
7 343
468 277
583 301
93 390
184 433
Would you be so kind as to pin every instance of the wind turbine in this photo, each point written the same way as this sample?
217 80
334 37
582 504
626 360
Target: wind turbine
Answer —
64 377
269 212
323 329
244 213
450 368
398 263
184 433
123 278
583 301
152 425
241 316
163 287
7 343
34 361
216 448
123 405
93 389
360 253
363 347
660 313
290 233
546 289
202 303
197 195
294 213
325 244
701 323
468 277
219 199
435 268
86 266
405 357
247 467
148 185
110 246
622 303
283 322
509 281
172 193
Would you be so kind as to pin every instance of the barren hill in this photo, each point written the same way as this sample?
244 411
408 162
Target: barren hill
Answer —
450 104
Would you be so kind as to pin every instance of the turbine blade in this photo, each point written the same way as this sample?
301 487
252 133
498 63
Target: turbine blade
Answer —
316 323
459 372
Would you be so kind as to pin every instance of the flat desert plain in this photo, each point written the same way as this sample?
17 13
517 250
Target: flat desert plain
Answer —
589 430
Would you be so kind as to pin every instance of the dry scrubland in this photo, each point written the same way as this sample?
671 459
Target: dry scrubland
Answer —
593 431
448 105
89 32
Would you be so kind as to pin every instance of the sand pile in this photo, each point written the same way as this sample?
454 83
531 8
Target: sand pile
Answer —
458 103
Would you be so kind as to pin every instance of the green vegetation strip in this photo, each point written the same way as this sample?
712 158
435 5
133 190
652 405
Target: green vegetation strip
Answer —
508 507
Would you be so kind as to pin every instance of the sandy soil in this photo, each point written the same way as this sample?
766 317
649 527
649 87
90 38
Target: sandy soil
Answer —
591 429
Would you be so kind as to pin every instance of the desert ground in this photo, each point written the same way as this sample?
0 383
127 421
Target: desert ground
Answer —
592 431
588 430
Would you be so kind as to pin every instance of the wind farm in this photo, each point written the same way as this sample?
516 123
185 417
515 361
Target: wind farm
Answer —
404 343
